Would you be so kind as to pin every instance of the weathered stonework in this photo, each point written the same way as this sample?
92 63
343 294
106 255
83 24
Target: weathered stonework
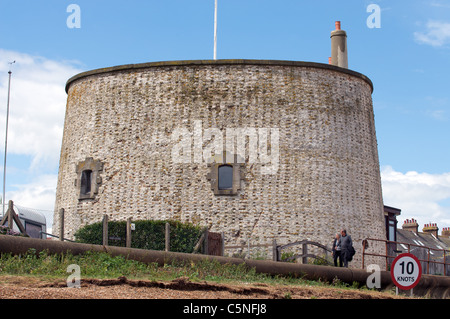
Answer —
88 184
327 177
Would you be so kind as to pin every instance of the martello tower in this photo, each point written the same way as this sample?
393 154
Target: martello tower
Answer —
258 149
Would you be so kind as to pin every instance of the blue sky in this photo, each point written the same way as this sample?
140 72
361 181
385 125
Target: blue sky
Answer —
407 58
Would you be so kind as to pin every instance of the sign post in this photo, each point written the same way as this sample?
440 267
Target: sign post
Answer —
406 271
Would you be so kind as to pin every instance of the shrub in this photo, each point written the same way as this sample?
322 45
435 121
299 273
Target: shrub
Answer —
148 234
5 230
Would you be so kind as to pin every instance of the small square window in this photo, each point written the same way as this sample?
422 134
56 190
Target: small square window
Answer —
225 177
86 182
88 178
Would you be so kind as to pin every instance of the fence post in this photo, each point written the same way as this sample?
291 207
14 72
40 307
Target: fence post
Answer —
10 213
12 217
304 253
206 242
105 230
274 250
128 243
201 241
222 235
167 237
61 224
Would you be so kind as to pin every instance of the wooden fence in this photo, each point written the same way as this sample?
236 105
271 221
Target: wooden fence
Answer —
277 251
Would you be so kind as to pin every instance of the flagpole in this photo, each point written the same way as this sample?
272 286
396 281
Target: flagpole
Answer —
215 30
6 139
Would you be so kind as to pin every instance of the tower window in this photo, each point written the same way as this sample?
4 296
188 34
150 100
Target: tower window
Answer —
88 178
86 182
225 177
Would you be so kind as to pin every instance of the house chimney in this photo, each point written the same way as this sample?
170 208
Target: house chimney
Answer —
431 229
445 232
411 225
339 56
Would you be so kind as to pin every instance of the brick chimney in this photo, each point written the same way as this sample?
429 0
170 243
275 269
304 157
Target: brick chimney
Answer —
431 229
445 232
411 225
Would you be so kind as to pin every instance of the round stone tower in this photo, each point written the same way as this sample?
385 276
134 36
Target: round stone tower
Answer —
258 150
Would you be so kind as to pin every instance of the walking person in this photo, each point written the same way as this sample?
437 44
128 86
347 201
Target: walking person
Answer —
346 247
336 250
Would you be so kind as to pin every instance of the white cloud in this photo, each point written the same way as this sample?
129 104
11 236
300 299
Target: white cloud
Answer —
437 34
37 105
421 196
438 4
440 115
38 194
37 109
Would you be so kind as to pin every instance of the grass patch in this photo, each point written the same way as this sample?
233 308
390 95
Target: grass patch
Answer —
104 266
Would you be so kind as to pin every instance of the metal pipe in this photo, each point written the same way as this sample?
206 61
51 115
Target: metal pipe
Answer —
432 286
215 30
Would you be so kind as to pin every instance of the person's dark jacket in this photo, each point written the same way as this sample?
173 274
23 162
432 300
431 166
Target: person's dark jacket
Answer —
346 242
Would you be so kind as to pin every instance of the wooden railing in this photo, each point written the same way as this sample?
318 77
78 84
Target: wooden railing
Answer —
304 255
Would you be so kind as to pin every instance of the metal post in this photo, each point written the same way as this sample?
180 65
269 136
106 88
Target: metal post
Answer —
215 30
363 253
6 139
445 265
387 254
61 224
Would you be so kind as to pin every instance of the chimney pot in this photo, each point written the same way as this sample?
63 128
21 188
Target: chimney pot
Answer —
431 228
445 232
411 225
338 25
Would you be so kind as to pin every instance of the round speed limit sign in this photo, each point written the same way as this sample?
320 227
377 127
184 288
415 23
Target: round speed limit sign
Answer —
406 271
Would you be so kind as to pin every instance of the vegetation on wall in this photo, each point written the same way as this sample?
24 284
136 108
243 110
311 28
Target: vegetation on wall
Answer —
5 230
148 234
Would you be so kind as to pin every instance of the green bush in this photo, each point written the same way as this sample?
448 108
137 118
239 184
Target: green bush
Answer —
5 230
148 234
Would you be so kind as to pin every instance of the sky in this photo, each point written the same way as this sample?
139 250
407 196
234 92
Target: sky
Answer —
404 48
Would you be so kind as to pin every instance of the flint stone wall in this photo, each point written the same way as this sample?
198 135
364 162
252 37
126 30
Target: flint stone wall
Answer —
327 177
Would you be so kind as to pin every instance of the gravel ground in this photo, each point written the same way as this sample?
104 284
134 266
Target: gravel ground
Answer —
17 287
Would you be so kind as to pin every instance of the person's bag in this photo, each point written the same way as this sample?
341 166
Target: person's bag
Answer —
351 253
